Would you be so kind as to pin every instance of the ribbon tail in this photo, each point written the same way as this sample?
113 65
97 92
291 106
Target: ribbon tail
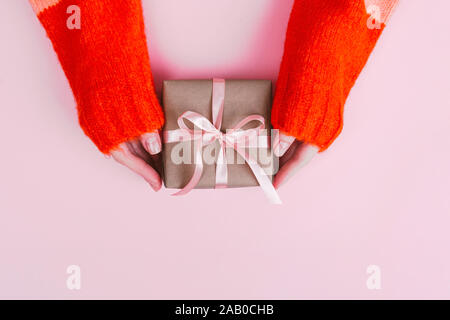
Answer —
263 180
197 171
221 169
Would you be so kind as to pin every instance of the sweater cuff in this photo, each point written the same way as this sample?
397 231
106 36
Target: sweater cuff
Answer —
107 64
327 45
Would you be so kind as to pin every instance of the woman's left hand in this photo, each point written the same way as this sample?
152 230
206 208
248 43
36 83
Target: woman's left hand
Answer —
142 156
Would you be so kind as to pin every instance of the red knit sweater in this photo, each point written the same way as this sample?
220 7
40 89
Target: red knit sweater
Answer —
107 64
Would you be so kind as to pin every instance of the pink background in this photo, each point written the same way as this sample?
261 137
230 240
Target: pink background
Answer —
379 196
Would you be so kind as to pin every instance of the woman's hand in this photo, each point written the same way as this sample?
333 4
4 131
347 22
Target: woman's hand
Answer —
294 155
142 156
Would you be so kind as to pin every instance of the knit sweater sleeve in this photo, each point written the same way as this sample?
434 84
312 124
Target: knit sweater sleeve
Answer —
105 59
328 42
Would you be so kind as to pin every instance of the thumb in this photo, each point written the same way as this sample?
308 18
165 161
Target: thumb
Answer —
152 142
302 156
125 157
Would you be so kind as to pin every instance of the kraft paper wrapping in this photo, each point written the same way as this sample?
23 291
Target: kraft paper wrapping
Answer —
242 98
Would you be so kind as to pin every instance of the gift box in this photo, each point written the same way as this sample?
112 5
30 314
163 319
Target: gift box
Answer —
217 114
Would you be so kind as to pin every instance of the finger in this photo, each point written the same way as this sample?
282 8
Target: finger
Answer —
143 149
302 156
156 163
290 153
152 142
124 156
136 147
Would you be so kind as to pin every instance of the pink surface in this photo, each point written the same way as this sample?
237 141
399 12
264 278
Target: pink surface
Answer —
379 196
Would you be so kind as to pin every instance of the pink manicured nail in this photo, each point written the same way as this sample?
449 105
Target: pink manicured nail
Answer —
154 143
282 148
282 144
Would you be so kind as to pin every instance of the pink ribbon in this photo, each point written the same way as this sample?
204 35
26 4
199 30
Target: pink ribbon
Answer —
235 138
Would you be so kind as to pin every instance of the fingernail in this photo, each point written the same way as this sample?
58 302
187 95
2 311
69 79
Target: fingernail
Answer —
282 144
154 143
282 148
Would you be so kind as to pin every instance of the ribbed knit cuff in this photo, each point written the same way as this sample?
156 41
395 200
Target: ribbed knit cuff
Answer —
107 64
327 45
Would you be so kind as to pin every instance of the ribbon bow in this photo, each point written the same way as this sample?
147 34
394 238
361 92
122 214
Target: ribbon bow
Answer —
235 138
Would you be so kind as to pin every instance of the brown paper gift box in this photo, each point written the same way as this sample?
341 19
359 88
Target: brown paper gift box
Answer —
242 98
